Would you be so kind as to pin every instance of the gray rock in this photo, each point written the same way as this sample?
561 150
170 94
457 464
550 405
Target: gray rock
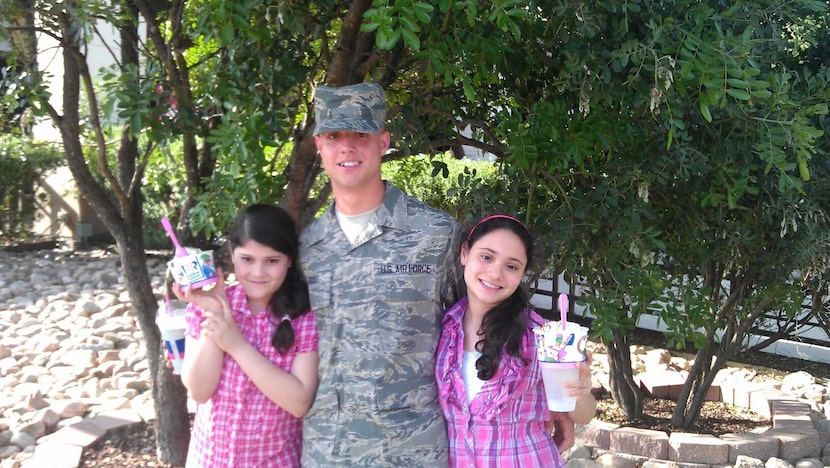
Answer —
23 440
809 463
744 461
579 451
777 463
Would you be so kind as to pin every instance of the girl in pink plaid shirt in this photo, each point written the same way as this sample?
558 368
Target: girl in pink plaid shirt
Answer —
489 383
251 360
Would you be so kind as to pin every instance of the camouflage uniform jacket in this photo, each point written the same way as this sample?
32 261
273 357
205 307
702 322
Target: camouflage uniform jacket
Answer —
378 306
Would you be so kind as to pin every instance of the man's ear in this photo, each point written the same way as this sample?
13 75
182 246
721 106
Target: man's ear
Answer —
385 140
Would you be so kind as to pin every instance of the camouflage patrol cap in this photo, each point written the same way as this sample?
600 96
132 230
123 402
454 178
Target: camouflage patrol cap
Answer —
360 108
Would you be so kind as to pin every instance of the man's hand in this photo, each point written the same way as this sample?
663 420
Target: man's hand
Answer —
561 427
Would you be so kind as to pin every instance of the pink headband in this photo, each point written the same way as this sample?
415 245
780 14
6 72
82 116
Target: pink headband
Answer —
497 216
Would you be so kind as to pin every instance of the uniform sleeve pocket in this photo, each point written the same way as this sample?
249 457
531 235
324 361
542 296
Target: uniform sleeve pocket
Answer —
319 288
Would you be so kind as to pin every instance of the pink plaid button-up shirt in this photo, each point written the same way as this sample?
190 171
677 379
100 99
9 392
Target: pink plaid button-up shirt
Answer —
504 425
239 426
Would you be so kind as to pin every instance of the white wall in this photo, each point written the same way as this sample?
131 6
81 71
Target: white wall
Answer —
50 61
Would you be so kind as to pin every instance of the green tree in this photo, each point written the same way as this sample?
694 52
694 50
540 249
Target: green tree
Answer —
662 144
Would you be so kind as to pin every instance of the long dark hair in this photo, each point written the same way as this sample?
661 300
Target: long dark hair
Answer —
272 226
503 326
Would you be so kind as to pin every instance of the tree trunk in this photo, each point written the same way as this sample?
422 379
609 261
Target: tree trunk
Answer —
623 388
169 394
301 172
694 390
736 319
172 417
119 207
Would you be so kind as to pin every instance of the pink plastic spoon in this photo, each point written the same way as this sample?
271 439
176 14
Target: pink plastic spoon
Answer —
180 251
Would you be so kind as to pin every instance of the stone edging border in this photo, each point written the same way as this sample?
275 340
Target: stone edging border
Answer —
794 434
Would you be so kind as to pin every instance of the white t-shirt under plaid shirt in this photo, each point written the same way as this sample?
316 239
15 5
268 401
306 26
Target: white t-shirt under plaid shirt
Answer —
239 426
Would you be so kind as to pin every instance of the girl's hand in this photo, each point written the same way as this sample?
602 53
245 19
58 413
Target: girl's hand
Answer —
582 386
586 404
212 299
220 327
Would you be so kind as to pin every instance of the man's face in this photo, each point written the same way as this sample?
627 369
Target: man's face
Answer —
351 159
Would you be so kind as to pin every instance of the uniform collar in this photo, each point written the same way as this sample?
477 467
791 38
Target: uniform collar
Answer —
391 214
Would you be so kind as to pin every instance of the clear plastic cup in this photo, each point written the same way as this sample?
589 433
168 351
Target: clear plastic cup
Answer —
554 375
172 327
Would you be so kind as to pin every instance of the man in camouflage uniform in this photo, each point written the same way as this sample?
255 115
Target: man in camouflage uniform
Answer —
379 275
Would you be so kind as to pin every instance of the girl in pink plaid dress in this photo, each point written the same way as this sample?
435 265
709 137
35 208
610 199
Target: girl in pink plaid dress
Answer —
251 350
489 383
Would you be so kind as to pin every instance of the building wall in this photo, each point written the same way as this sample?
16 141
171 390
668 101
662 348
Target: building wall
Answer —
62 213
65 214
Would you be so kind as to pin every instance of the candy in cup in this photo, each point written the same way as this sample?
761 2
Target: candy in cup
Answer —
560 346
193 268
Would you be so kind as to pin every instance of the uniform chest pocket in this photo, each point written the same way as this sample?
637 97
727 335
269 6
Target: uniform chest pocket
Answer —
415 286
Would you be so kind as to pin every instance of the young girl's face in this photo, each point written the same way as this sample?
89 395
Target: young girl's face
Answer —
261 271
493 267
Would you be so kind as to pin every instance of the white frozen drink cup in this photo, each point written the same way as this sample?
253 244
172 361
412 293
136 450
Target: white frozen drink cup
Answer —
172 327
558 351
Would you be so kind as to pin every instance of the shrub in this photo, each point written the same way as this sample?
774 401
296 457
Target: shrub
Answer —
22 160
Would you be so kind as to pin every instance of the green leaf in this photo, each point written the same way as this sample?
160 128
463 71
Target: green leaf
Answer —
411 39
423 11
227 32
736 83
469 91
803 170
739 94
761 93
135 124
409 24
734 72
714 83
759 84
368 27
704 111
514 28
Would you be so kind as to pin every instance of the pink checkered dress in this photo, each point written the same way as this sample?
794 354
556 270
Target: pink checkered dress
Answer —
504 425
239 426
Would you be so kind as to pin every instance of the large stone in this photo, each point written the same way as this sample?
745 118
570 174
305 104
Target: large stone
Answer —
8 451
69 408
23 440
661 383
642 442
698 448
757 446
794 381
56 455
597 433
796 443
